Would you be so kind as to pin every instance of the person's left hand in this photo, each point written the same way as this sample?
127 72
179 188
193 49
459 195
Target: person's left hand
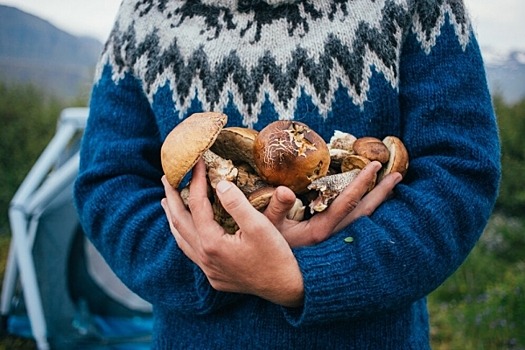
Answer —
355 201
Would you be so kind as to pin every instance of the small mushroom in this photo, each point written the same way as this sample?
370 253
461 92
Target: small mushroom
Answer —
260 199
398 160
337 157
342 140
289 153
353 162
297 211
187 142
371 148
248 180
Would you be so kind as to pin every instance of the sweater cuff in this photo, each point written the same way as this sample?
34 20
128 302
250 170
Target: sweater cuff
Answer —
208 299
328 282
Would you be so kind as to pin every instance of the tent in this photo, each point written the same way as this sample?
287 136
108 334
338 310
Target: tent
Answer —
57 288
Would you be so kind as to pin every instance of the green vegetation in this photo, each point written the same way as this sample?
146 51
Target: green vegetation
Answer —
28 119
482 306
511 120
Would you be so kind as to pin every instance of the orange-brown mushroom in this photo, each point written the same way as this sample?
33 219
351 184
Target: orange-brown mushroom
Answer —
289 153
371 148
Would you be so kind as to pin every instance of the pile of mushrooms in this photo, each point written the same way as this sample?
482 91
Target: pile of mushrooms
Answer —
285 152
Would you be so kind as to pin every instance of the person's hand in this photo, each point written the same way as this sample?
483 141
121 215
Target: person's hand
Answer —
351 204
255 260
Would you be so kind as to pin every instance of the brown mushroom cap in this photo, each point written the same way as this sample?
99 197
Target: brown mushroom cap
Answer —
371 148
260 198
289 153
187 142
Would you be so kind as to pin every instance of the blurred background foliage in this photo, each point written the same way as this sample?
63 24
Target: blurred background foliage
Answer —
482 306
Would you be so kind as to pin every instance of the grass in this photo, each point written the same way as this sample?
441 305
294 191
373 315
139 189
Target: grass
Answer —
480 307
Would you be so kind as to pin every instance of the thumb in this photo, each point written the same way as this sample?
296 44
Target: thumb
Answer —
282 201
235 202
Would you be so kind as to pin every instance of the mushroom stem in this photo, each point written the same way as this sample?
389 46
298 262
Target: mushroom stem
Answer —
219 168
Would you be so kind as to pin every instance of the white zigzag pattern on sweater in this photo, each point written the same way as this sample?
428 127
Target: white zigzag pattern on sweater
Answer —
249 51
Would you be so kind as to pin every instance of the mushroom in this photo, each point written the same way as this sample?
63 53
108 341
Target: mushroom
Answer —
236 144
260 199
289 153
187 142
371 148
343 141
329 187
353 161
398 160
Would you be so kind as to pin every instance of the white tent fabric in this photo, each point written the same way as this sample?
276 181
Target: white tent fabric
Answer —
44 227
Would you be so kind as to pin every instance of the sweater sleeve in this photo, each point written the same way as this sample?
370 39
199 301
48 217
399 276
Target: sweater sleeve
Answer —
417 239
118 193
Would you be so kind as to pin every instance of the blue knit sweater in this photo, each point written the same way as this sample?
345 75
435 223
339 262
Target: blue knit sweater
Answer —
369 67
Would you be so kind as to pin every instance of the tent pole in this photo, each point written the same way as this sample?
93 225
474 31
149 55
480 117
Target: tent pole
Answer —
26 268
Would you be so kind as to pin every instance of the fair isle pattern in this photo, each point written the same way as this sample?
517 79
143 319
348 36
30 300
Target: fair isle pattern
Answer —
252 50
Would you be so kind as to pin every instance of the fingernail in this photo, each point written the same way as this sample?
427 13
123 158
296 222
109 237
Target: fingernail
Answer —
375 166
223 186
398 178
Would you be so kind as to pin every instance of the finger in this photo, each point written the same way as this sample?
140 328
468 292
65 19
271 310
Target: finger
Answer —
199 203
236 204
180 219
199 184
173 201
181 242
371 201
348 200
280 204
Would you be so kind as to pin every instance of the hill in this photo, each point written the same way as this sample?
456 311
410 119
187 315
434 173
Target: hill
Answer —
506 74
32 50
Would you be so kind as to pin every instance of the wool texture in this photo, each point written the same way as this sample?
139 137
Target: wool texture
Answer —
407 68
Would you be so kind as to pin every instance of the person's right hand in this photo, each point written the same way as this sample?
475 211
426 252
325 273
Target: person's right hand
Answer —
351 204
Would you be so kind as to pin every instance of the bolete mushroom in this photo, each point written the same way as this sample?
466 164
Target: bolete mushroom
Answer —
187 142
289 153
371 148
398 160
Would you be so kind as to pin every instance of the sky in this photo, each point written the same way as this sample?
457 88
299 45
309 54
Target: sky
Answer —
499 24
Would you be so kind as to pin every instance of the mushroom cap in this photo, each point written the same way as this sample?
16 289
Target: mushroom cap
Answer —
236 143
186 143
371 148
291 154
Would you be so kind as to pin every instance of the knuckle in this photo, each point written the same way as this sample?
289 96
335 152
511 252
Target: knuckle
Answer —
351 204
209 250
